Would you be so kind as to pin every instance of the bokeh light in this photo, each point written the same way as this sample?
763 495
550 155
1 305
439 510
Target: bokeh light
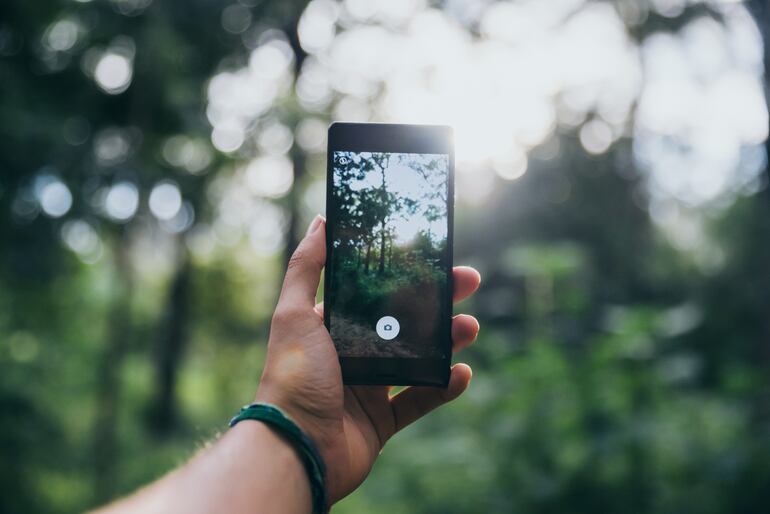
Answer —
181 221
237 98
165 200
54 196
596 136
702 106
269 176
62 35
121 201
80 237
311 135
113 145
188 153
267 236
236 18
113 73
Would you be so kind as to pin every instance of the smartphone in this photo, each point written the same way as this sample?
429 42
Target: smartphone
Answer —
388 275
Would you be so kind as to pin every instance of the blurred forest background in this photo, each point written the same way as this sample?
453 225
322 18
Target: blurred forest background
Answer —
160 159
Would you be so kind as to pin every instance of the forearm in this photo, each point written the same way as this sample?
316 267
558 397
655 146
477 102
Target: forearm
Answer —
251 469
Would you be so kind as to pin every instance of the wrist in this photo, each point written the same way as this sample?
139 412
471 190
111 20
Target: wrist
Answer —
298 416
287 479
284 426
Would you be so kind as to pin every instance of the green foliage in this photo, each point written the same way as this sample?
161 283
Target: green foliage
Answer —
613 372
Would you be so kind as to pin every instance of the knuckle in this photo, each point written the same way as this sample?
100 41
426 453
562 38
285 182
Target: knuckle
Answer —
298 259
287 315
303 258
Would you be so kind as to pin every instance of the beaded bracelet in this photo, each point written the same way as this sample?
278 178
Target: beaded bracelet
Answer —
311 459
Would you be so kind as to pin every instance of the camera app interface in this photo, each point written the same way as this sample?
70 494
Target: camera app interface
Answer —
390 257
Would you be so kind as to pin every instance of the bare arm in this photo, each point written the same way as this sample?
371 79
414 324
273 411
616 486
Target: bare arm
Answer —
249 469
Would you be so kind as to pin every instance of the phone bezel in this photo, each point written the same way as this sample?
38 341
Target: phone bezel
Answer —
394 138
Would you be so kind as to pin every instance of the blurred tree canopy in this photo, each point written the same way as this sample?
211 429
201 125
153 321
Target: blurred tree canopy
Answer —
159 160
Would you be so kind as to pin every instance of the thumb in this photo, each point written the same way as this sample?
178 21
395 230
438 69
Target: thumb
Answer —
304 269
414 402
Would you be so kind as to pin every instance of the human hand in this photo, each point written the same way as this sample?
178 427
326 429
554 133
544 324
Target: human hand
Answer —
302 376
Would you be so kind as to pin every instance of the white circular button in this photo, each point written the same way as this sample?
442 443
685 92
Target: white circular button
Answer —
388 327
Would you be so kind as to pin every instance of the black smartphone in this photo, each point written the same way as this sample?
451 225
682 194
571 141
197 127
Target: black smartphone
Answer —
388 277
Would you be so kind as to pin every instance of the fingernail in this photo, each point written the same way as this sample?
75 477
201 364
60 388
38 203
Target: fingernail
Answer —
314 224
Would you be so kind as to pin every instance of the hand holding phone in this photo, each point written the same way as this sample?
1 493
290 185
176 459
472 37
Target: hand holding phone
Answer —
349 424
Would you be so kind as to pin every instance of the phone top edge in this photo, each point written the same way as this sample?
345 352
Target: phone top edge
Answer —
390 137
334 124
347 128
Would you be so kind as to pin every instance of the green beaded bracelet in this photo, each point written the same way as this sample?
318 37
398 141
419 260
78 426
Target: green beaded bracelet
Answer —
311 459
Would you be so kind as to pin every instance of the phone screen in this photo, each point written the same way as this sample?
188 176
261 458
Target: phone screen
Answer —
390 253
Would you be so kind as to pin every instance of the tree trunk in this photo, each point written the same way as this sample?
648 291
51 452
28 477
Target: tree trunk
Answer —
760 10
382 249
294 232
105 439
383 199
171 345
368 255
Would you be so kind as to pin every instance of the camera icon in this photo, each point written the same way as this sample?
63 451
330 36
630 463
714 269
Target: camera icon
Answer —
387 328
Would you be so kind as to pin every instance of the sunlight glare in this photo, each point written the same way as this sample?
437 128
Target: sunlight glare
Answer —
506 75
267 235
316 26
270 176
499 92
699 112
